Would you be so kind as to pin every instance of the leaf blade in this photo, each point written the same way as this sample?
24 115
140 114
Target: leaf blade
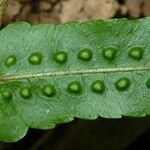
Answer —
23 41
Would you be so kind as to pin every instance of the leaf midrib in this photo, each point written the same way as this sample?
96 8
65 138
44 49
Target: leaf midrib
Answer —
5 78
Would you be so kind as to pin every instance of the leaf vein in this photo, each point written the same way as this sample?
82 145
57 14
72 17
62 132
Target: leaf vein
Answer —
5 78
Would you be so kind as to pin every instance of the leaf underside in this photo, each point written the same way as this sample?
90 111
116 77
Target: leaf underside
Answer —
33 57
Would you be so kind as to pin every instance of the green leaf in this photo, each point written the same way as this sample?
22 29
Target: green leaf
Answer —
50 74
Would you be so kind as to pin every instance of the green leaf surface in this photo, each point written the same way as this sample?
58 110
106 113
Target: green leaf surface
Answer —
50 74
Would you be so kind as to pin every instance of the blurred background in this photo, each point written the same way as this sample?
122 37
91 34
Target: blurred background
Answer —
100 134
60 11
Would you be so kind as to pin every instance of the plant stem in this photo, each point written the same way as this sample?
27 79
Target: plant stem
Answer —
3 5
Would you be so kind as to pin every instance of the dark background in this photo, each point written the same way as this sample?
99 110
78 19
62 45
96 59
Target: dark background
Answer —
100 134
